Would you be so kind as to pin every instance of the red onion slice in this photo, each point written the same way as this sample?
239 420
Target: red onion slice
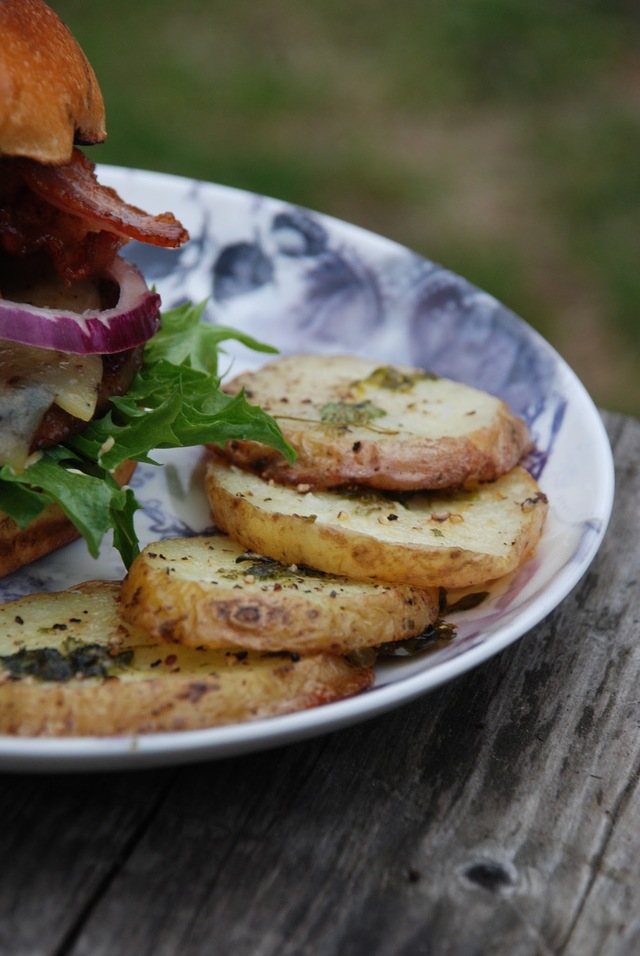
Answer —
131 322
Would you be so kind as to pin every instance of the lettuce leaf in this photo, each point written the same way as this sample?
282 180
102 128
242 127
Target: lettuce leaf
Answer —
175 401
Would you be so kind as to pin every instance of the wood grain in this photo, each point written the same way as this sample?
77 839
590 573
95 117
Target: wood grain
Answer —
497 814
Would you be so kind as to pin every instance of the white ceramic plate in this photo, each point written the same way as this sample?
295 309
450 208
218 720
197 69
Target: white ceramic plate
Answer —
304 282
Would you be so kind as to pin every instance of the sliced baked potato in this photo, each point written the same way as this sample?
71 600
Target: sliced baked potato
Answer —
210 591
394 427
70 666
423 539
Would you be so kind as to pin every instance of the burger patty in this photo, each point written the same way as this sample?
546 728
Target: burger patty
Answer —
119 370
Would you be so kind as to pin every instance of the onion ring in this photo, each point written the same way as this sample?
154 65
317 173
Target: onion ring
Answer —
132 321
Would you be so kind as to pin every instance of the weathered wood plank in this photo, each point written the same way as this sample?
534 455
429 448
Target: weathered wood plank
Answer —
493 815
60 841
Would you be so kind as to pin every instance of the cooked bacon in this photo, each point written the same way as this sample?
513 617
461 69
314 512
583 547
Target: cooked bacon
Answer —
78 222
74 188
31 226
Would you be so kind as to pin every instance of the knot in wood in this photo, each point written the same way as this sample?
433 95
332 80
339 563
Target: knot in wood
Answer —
490 875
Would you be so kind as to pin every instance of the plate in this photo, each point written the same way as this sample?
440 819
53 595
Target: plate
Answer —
302 281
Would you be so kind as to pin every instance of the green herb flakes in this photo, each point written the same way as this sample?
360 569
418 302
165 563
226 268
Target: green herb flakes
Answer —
388 376
350 413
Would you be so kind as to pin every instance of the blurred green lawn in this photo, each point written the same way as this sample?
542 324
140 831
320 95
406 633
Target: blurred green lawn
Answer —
499 137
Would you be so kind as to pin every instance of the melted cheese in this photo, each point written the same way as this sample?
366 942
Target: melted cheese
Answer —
33 379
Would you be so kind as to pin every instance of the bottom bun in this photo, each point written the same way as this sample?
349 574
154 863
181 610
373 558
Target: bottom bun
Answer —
51 530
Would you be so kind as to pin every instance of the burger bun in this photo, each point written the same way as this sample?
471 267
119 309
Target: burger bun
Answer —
49 94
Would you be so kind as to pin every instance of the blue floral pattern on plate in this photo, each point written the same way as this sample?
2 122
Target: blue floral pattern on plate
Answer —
305 282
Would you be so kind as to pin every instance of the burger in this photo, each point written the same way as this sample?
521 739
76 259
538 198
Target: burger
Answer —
92 376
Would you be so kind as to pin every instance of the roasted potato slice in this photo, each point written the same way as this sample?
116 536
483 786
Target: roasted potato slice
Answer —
424 539
351 420
209 591
70 666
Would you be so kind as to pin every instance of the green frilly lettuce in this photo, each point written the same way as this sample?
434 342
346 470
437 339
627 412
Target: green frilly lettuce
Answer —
175 401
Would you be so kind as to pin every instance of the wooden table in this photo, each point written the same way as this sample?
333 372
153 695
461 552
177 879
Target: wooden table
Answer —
496 815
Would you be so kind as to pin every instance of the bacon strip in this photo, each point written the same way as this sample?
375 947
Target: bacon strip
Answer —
74 188
64 213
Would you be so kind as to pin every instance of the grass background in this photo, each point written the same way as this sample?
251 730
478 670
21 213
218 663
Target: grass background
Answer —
498 137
